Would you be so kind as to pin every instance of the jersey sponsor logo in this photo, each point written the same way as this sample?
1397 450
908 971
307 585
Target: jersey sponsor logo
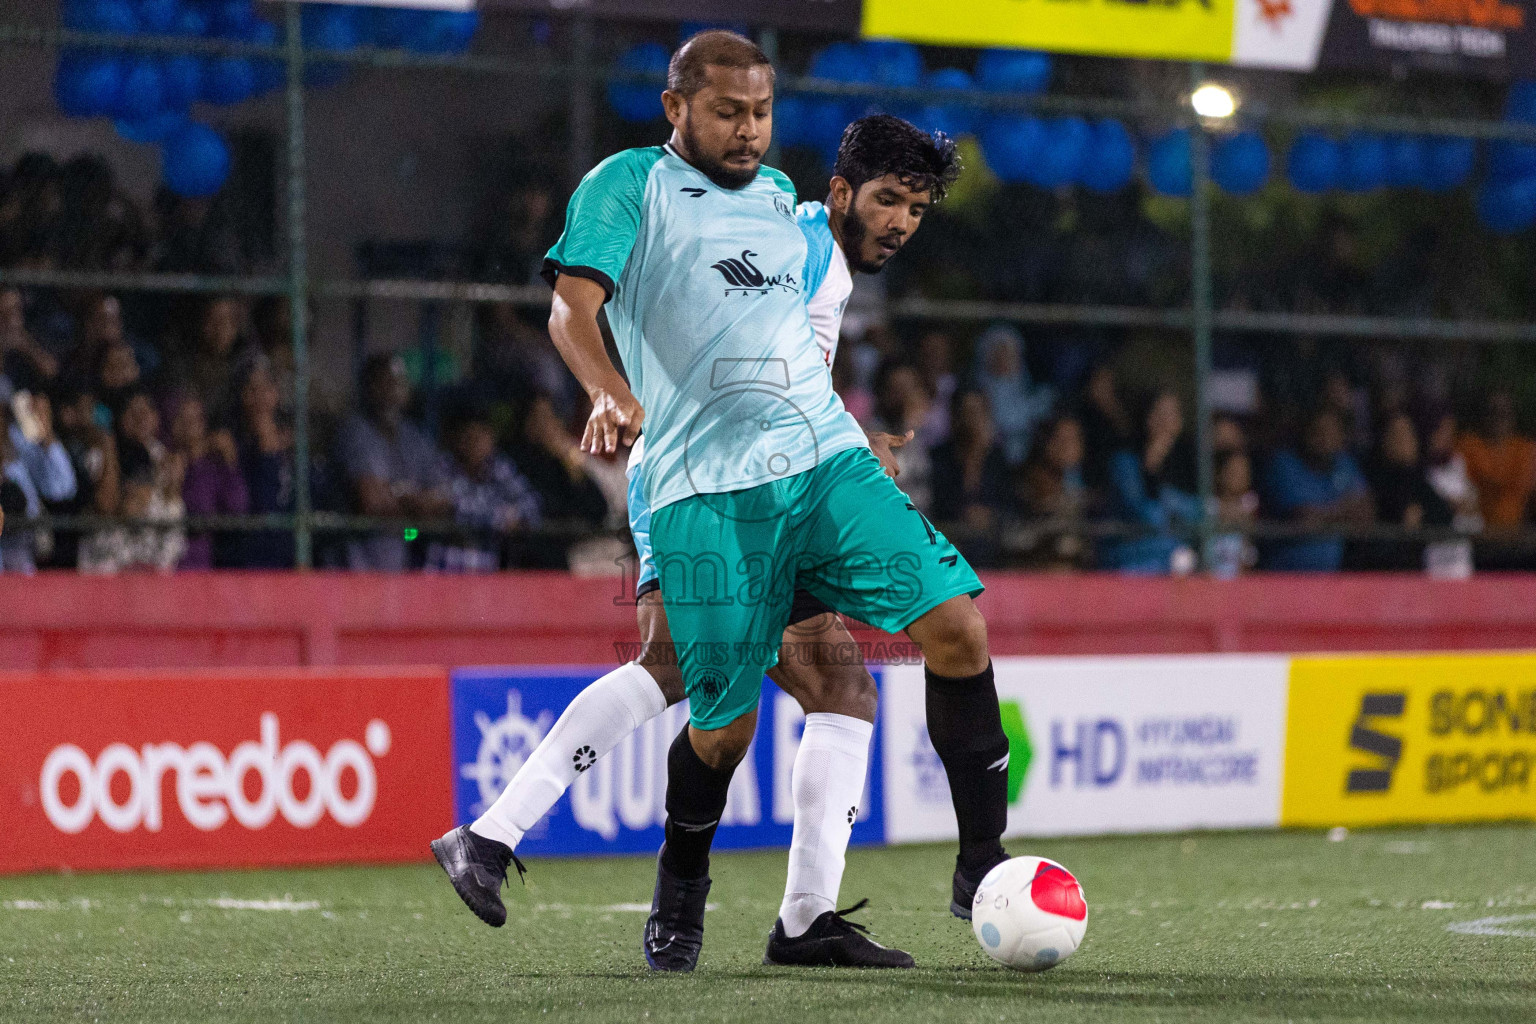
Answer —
695 192
743 277
782 205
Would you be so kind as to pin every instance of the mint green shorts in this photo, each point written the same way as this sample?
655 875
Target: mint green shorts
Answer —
729 565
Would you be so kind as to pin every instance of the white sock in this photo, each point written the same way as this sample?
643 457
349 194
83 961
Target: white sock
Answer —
593 724
828 782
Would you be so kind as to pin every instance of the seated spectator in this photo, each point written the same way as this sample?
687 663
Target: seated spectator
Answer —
970 475
266 464
1318 486
1501 463
1446 469
204 366
1150 486
391 468
99 326
272 325
1237 506
93 454
1403 495
213 485
1018 406
151 482
1052 493
36 464
936 364
550 458
901 405
26 364
1107 425
116 376
490 497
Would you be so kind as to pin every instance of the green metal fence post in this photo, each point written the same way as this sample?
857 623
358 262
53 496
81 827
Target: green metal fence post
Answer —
298 289
1200 307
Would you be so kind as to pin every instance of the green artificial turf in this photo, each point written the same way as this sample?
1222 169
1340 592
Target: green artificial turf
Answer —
1212 927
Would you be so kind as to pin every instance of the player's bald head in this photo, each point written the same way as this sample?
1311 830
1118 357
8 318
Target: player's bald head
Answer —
718 48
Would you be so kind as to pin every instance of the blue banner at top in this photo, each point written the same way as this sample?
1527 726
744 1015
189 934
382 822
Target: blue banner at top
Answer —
619 804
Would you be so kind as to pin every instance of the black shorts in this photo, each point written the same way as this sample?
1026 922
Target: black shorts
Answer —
806 606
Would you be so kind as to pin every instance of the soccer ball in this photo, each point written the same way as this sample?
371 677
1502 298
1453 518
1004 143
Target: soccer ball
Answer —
1029 913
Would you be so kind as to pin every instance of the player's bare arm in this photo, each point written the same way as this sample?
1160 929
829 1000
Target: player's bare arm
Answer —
616 414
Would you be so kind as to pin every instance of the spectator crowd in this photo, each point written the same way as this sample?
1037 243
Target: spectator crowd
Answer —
154 416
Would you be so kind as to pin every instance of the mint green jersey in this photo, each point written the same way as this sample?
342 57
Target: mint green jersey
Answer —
705 287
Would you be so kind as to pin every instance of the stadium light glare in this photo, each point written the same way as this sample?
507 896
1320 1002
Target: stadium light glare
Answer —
1212 100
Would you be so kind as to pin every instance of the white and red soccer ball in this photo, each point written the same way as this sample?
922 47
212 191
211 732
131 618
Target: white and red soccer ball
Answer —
1029 913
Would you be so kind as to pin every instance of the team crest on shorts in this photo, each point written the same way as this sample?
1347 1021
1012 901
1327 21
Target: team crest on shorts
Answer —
711 684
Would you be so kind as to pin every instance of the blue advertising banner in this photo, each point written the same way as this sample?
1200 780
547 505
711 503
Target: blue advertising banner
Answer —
618 805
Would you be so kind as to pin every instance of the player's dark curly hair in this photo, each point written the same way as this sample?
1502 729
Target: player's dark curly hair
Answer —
881 144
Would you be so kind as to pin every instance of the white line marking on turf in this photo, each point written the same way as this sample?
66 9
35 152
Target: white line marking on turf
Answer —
1436 905
226 903
607 908
1495 926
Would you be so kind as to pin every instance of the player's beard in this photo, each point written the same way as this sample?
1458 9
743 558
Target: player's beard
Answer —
721 174
854 233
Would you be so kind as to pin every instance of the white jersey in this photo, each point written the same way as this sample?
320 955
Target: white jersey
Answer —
828 282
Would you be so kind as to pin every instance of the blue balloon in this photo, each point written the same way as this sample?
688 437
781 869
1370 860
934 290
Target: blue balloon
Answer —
143 90
196 161
1315 164
270 73
1407 161
639 101
1520 105
88 83
232 19
157 128
182 77
952 118
1170 168
229 80
895 63
843 62
1062 156
1111 157
1448 163
337 28
114 16
191 22
1240 163
792 120
1507 207
159 16
1012 144
1509 161
1025 71
1365 162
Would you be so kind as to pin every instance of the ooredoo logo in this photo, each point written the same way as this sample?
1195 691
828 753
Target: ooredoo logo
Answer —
210 787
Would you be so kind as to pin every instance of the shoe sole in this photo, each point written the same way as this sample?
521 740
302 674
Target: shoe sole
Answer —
771 962
963 913
441 858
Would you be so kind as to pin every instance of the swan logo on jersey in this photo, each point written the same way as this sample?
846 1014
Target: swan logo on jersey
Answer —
742 276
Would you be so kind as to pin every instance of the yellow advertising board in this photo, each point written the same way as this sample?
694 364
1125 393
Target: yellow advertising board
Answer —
1169 29
1426 738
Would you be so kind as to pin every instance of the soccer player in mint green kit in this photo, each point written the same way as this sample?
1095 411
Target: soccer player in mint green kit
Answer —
758 480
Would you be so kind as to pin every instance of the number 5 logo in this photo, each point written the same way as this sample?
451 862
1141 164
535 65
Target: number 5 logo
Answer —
1386 747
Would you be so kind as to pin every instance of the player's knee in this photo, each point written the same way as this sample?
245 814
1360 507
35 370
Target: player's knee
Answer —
724 747
854 695
955 638
668 678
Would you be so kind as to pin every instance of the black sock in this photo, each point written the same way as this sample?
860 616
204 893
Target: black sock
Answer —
966 728
695 800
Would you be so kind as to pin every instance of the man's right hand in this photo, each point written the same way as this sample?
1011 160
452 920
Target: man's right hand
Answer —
615 420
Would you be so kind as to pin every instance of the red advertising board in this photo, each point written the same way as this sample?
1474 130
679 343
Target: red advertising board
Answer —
222 768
